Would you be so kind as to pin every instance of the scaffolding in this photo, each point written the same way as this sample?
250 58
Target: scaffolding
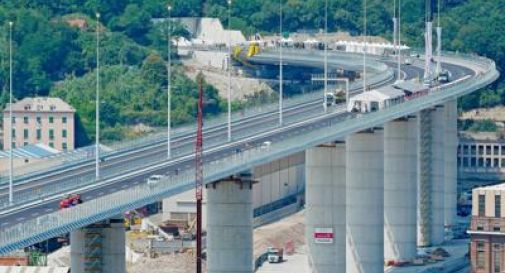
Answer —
93 245
425 171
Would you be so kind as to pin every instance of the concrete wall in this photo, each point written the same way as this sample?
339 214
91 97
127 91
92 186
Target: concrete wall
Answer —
277 179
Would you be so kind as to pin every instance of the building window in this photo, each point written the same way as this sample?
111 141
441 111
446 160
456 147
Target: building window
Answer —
473 162
465 149
25 120
13 145
39 134
64 133
13 120
51 134
39 120
64 120
25 143
13 132
496 258
25 133
496 149
474 150
488 162
481 150
480 255
496 228
497 206
482 204
488 150
51 144
503 162
481 162
496 163
51 119
64 146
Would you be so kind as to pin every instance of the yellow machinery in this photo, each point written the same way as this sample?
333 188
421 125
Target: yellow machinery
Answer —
254 48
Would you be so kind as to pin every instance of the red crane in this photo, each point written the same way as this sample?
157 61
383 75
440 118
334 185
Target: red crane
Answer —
199 176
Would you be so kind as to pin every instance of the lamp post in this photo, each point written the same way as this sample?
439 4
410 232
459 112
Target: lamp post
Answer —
97 106
169 79
399 38
229 70
364 46
280 65
325 99
11 165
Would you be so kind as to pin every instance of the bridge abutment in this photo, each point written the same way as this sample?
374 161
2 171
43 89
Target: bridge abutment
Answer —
325 206
99 247
400 190
365 202
230 226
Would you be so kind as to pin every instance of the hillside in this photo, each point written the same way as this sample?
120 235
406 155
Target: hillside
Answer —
54 47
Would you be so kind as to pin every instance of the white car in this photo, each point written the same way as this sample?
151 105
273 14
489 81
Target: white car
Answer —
154 179
266 145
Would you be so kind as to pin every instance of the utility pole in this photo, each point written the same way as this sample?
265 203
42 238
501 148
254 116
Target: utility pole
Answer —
325 99
169 79
428 73
97 106
199 177
280 65
229 70
439 42
11 165
364 45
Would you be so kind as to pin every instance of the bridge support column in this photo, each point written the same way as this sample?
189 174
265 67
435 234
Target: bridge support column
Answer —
365 202
431 180
325 204
400 190
230 226
451 168
99 248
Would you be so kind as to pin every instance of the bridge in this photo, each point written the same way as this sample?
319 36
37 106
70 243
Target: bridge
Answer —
362 175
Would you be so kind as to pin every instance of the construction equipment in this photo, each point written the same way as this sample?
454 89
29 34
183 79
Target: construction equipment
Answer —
275 255
199 176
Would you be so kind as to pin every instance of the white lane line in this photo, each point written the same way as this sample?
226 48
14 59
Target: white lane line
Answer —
100 193
20 219
35 214
124 186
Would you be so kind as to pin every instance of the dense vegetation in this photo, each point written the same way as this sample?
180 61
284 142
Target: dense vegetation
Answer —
54 58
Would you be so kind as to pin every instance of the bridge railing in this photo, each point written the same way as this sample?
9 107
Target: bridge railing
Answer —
87 155
63 221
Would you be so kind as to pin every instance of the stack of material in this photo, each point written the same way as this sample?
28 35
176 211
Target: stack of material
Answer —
33 269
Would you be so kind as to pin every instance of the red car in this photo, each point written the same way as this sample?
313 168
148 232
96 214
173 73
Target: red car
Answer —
70 201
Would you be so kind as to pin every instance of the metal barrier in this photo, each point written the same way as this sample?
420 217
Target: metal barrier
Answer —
331 127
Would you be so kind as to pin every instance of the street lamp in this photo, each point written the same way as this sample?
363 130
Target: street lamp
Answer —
399 38
229 70
280 65
325 99
364 46
169 78
11 165
97 110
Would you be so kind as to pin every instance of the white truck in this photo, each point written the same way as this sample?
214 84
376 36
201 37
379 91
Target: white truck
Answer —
275 255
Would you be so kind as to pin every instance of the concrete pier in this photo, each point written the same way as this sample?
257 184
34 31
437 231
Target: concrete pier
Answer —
400 190
230 226
365 202
99 248
451 168
325 207
438 175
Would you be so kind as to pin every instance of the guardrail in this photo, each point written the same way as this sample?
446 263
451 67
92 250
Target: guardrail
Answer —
76 158
63 221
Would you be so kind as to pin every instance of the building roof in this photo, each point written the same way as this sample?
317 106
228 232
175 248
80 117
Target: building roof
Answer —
38 150
390 92
498 187
410 86
40 104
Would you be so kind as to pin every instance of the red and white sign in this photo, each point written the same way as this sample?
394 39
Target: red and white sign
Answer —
323 235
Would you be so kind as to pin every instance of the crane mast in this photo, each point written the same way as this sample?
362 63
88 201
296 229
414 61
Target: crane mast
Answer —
199 176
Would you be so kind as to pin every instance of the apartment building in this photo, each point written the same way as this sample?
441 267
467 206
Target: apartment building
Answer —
487 229
40 120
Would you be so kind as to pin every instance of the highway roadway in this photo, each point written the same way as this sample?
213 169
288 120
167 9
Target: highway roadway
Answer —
157 152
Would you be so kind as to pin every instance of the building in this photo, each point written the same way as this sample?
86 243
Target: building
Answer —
481 160
487 229
49 121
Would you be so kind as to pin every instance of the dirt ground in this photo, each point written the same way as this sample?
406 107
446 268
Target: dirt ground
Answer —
495 114
290 229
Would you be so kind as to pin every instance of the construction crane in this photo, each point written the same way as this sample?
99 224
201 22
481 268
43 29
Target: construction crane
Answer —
199 176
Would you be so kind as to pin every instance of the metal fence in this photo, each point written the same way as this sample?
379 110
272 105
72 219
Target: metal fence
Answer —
340 125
